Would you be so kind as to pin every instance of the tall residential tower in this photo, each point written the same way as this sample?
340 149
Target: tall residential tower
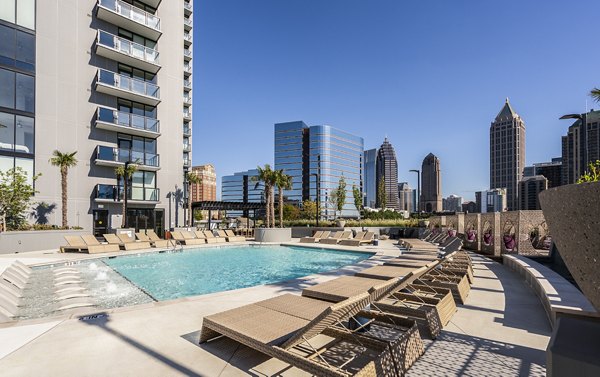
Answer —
112 81
507 153
431 184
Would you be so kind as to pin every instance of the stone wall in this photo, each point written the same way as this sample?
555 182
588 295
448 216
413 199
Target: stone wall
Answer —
472 222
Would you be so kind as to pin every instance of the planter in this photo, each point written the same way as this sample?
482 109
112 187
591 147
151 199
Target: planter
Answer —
35 240
573 216
340 223
273 234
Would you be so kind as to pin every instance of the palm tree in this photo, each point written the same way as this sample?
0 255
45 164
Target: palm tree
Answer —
267 176
193 179
283 182
64 161
126 173
595 94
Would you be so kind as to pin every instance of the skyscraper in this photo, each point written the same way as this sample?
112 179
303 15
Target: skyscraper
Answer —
97 87
507 153
206 189
431 184
306 153
241 187
387 171
580 146
453 203
529 190
370 177
405 197
493 200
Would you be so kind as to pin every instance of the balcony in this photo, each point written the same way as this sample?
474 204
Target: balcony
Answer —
187 114
187 69
187 84
128 17
188 24
187 100
114 193
187 130
127 52
132 124
187 55
113 157
187 39
187 147
187 162
113 84
187 8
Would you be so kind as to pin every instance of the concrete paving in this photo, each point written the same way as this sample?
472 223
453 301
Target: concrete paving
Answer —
501 330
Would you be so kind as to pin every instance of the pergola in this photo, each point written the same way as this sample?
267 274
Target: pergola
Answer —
227 206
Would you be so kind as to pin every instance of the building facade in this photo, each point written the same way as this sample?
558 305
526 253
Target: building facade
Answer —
316 157
206 189
507 153
529 191
581 146
470 207
115 76
405 197
452 203
431 184
387 173
242 187
494 200
370 177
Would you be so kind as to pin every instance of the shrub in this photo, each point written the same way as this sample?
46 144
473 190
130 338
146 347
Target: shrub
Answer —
592 175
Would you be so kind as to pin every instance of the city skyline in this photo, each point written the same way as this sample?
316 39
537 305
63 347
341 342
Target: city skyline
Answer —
391 81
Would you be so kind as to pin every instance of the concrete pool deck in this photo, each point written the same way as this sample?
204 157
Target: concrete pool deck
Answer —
502 330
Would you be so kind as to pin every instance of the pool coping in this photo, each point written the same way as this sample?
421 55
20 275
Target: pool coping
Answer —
84 313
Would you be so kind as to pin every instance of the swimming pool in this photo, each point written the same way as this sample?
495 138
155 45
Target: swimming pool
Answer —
200 271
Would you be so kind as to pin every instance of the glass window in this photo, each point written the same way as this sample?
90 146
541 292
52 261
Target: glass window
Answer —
7 88
26 13
7 47
150 179
27 165
6 163
25 97
7 11
24 134
150 146
7 131
25 51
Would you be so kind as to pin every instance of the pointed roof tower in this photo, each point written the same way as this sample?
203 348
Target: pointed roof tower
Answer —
507 112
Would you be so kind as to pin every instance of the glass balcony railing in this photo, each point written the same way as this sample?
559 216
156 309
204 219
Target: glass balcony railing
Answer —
123 155
187 113
127 47
128 83
129 120
133 13
187 37
115 192
187 5
187 130
187 84
187 53
187 100
188 22
187 68
186 162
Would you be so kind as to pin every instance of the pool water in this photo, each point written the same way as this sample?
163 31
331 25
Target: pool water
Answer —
166 276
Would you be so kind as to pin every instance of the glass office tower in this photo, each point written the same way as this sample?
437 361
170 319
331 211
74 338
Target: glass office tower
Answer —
240 187
323 152
369 177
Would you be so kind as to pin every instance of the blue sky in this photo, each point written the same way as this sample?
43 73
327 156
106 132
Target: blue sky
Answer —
431 75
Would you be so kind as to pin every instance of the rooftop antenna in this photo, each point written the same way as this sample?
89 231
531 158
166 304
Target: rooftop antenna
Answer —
586 105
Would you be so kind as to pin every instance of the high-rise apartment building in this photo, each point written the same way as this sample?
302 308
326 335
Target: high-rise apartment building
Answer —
405 197
529 190
431 184
453 203
507 153
387 173
370 177
316 157
112 81
581 146
470 207
206 189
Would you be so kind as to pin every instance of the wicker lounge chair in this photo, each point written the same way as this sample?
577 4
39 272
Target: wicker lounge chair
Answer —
459 286
158 243
210 236
129 243
284 327
90 240
335 238
385 272
155 238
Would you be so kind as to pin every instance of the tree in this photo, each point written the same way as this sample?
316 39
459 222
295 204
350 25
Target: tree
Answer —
333 201
290 212
64 161
192 178
283 182
198 216
309 210
15 194
358 199
340 195
595 94
267 176
126 174
381 194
